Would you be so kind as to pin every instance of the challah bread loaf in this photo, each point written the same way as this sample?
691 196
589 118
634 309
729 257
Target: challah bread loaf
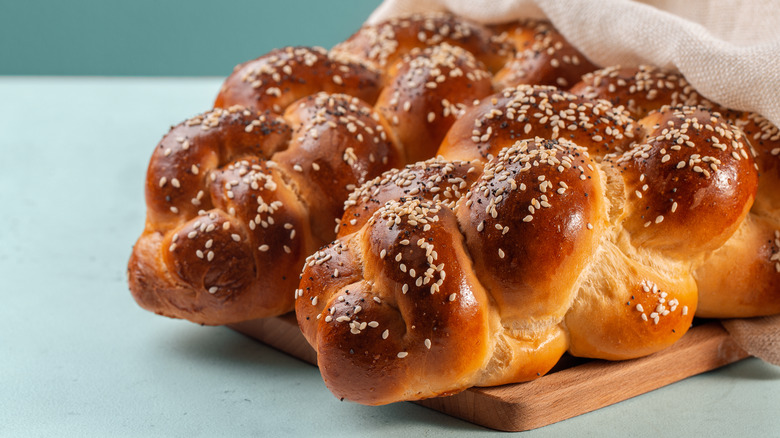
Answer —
551 222
555 249
742 277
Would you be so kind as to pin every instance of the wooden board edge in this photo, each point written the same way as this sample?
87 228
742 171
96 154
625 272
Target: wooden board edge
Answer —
556 396
281 333
592 385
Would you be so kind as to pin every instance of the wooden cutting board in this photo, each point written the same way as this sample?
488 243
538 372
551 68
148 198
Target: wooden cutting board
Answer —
573 387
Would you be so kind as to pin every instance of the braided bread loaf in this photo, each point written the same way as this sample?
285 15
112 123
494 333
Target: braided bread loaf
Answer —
552 221
580 245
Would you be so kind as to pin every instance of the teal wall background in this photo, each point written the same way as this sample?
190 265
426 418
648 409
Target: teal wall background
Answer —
163 37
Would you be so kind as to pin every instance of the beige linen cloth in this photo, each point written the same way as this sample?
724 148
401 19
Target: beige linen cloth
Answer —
729 50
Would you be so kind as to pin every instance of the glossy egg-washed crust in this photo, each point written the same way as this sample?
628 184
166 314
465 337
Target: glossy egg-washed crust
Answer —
742 277
383 44
582 246
529 111
227 205
259 181
543 56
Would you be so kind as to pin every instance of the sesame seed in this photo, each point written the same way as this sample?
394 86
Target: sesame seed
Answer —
214 289
427 343
402 354
385 334
263 248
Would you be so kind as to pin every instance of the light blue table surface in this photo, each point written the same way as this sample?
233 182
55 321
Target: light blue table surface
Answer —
79 358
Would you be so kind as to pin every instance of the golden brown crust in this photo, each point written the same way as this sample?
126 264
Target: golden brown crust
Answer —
764 137
742 278
630 306
339 143
528 111
639 89
430 90
282 76
689 182
531 223
436 180
383 44
177 177
392 327
211 268
220 215
544 57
